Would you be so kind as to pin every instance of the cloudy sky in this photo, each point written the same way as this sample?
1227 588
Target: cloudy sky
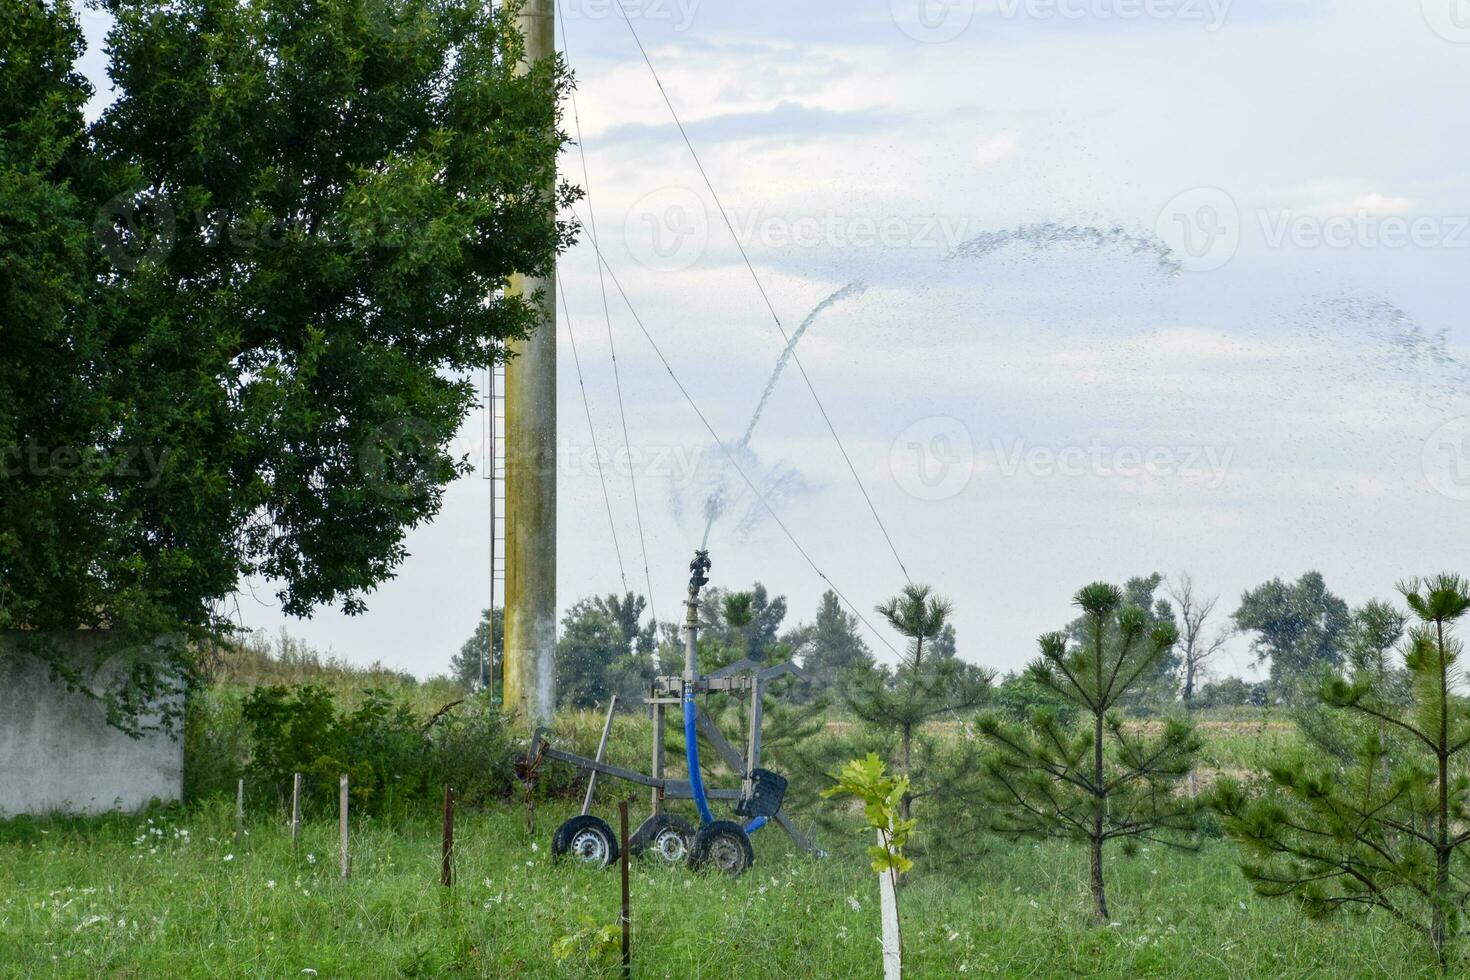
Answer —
1169 285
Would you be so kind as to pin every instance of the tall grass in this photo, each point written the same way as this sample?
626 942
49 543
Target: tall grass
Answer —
171 894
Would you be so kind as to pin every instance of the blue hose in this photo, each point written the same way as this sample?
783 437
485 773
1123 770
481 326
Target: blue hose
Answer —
755 825
691 754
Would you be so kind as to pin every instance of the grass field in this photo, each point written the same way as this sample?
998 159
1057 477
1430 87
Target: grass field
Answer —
174 897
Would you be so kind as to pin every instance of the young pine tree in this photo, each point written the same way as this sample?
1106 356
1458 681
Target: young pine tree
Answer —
926 686
1101 781
1388 831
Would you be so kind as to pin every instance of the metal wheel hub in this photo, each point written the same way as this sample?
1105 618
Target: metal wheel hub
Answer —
669 845
590 846
726 854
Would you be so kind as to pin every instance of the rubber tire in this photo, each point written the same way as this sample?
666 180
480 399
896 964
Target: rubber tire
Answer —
561 841
722 845
647 840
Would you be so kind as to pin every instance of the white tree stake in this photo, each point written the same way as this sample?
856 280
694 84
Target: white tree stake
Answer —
888 903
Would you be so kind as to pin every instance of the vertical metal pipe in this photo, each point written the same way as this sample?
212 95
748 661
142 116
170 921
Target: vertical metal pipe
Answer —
601 752
530 462
691 638
623 859
657 793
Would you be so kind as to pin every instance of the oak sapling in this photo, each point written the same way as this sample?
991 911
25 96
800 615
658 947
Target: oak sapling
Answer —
882 797
1105 780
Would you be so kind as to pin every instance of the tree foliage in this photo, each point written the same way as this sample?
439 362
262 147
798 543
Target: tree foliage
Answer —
1106 781
1156 687
925 685
242 311
830 648
478 659
1297 628
1387 832
603 650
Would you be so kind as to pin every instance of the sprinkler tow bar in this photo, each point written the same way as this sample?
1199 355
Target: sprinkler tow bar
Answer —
720 844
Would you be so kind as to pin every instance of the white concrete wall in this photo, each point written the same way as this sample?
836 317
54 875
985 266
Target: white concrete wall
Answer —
57 752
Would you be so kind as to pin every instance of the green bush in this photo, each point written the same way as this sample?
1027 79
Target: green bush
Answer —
472 751
1018 696
379 745
216 744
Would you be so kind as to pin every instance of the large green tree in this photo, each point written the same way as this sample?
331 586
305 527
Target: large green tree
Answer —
831 648
604 649
1297 627
302 215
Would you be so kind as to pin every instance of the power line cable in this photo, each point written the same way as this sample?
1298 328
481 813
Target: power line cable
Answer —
607 318
734 463
770 307
596 454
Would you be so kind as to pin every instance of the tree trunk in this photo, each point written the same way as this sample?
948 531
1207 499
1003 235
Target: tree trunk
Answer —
1437 927
907 750
1099 896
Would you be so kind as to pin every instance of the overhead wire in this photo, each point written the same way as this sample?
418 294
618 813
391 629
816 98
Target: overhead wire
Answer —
760 287
730 457
592 429
611 345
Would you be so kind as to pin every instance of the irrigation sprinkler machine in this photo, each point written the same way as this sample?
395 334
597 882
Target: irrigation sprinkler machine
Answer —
718 844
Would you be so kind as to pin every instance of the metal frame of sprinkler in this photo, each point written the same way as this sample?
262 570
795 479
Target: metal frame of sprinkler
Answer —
720 844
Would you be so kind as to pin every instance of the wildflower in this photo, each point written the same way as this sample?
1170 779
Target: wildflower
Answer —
311 859
854 903
535 846
229 857
270 883
1034 904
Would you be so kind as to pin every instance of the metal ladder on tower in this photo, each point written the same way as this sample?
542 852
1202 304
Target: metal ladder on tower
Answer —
492 471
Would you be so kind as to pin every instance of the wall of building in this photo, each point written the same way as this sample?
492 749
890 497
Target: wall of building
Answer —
57 751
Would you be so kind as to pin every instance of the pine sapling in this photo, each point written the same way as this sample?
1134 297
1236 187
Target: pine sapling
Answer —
1102 780
1387 831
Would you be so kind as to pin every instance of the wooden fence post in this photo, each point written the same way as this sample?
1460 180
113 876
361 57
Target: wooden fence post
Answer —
446 867
345 857
239 812
295 810
623 860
